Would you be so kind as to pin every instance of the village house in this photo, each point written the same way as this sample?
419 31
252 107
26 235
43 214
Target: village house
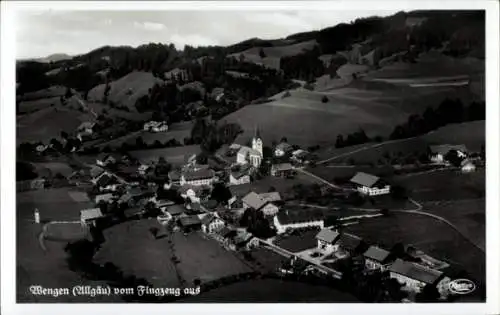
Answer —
240 175
199 177
254 201
351 244
108 198
211 223
156 126
90 216
414 276
273 197
327 239
377 258
282 149
286 220
467 166
106 182
370 185
41 148
174 210
86 128
190 192
143 169
251 155
95 171
282 170
299 156
174 177
235 203
105 159
438 152
190 223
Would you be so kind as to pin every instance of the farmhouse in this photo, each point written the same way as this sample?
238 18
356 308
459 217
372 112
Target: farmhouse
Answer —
438 152
351 244
271 197
106 182
467 166
254 201
195 194
190 223
105 159
86 128
326 240
211 223
299 156
197 178
297 220
156 126
282 149
105 198
175 210
90 216
414 276
282 170
377 258
95 171
240 175
251 155
143 169
370 185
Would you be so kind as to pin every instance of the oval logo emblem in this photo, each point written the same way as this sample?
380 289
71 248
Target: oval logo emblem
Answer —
461 286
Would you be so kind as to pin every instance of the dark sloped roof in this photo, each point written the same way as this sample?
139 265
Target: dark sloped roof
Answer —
208 219
289 217
349 241
106 179
282 167
415 271
271 196
327 235
242 171
190 220
175 209
365 179
283 146
203 173
254 201
376 253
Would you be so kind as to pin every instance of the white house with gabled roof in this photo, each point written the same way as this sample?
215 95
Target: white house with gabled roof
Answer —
370 185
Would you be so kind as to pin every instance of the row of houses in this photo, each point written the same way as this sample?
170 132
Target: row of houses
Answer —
412 275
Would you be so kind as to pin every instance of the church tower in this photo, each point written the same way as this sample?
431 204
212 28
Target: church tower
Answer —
257 141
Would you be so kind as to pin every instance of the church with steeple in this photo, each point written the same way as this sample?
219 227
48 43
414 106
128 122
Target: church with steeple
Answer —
251 155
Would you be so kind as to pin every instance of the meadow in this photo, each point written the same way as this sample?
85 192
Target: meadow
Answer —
173 155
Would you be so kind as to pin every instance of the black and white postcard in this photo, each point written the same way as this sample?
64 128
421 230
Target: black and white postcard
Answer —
208 157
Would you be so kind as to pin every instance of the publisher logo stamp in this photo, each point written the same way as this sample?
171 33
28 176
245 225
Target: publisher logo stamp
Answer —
462 286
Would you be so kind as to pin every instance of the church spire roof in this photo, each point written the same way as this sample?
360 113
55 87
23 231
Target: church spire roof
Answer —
257 132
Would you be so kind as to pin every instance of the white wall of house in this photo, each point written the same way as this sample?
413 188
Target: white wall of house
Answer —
239 181
214 226
279 152
270 209
411 284
327 247
196 182
374 265
374 191
281 228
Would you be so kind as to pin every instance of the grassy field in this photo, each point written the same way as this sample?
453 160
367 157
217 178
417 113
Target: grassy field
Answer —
174 155
428 234
298 243
272 291
50 92
205 259
45 267
48 123
34 105
126 90
273 54
444 185
472 134
377 108
99 108
53 168
331 173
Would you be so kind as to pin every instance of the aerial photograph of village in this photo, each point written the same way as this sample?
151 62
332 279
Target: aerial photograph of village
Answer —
250 157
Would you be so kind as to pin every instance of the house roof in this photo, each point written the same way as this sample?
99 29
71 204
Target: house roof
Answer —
96 171
365 179
227 232
290 217
282 167
208 219
271 196
190 220
376 253
242 171
349 241
300 152
254 201
102 156
90 214
203 173
445 148
103 197
184 189
175 209
415 271
174 175
327 235
106 179
283 146
248 151
86 124
125 197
